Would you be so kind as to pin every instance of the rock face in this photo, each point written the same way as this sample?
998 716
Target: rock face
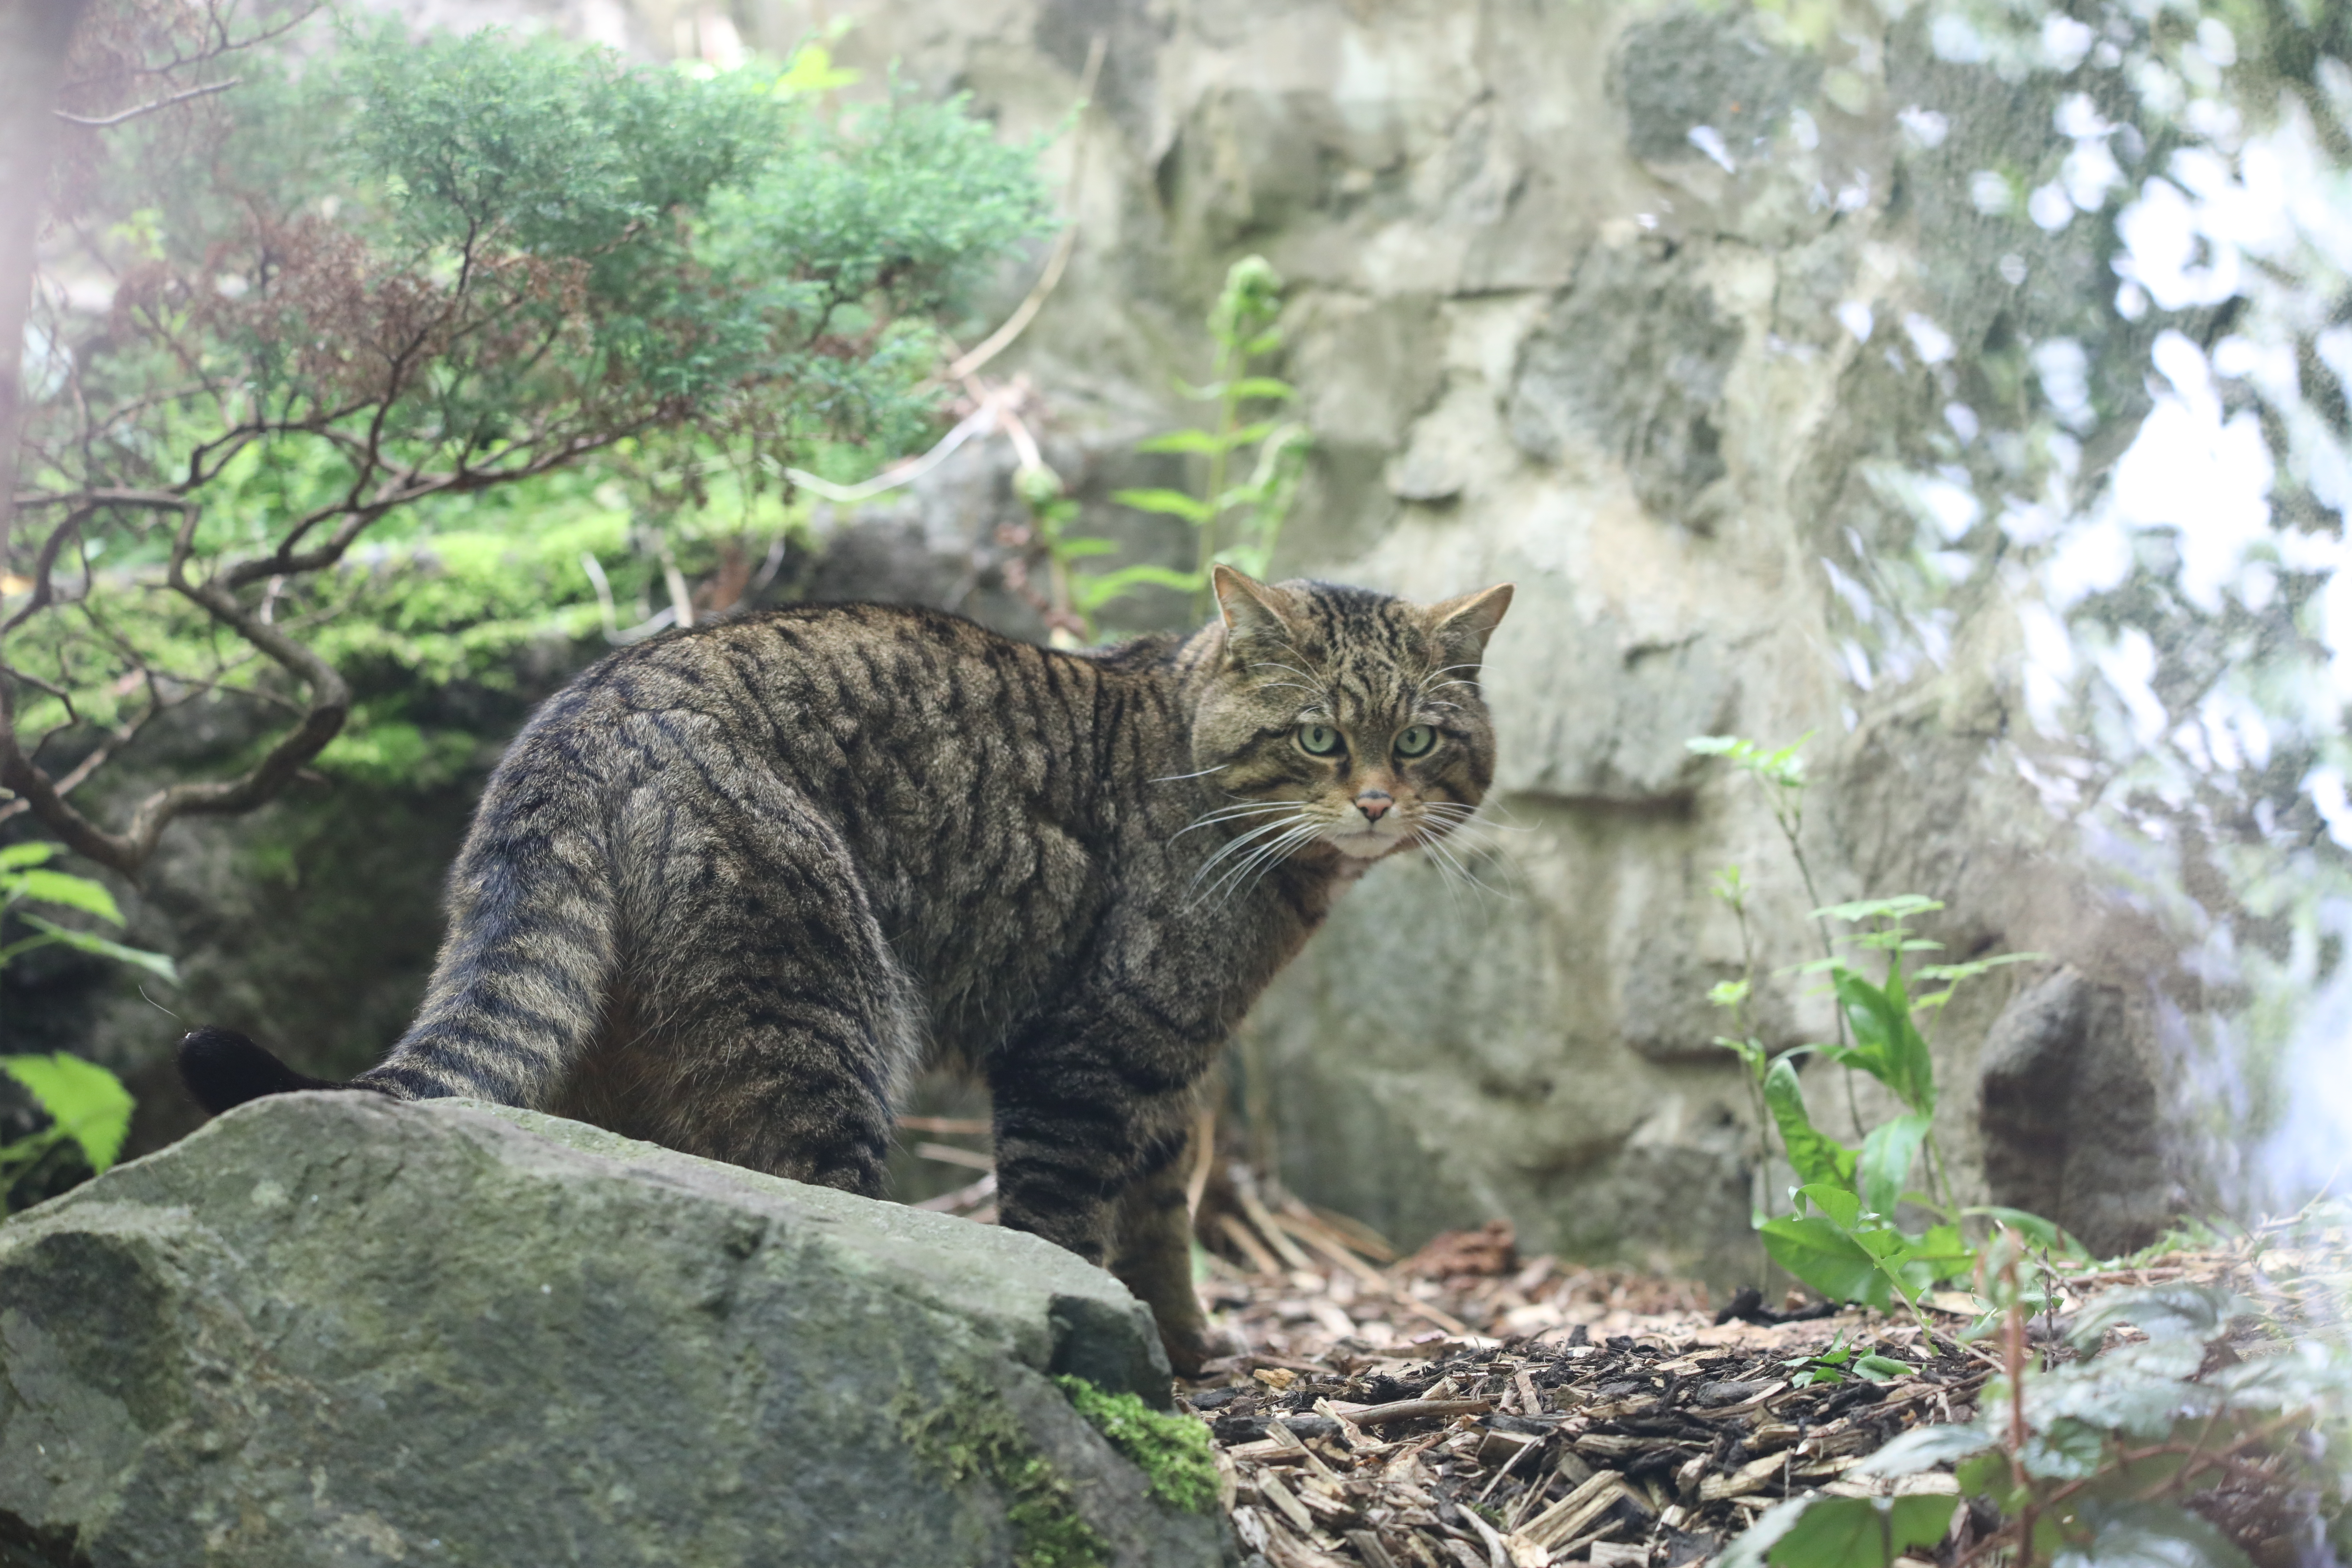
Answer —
331 1329
2070 1113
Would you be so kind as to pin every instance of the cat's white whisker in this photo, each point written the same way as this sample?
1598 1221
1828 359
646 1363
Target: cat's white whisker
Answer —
1205 773
1234 814
1245 875
1241 843
1445 857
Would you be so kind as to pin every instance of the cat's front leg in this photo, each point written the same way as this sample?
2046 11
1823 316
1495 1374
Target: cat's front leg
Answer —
1089 1155
1153 1257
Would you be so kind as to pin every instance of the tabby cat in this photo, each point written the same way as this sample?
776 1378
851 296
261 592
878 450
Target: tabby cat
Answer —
730 886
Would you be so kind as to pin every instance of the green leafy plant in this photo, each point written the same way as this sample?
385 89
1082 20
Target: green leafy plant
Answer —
1237 522
88 1112
1842 1237
88 1107
2095 1459
25 877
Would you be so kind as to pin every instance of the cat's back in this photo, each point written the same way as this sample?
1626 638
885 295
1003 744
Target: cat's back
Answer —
927 733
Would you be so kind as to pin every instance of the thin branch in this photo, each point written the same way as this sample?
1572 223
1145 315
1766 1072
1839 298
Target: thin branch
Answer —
45 565
130 114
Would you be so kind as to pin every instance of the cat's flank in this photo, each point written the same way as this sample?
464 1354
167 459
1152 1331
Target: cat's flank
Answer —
729 888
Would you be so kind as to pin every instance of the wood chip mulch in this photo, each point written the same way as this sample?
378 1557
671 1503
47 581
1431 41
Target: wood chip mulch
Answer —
1464 1408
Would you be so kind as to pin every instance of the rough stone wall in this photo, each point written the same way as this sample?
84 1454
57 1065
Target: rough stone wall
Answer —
1579 299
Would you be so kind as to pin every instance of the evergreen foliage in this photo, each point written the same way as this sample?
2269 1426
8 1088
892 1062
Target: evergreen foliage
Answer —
405 336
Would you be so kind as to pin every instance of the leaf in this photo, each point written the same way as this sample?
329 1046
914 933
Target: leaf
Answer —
1891 1048
1749 1052
1924 1449
73 892
1263 386
1987 1474
1729 992
811 71
1839 1202
13 855
1901 907
1842 1533
2174 1311
1816 1157
2137 1390
155 963
2064 1450
81 1097
1173 503
1091 593
1083 546
1945 1252
1886 1157
2149 1536
1206 442
1879 1368
1826 1257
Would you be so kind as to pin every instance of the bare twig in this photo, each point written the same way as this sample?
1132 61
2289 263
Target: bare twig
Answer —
103 122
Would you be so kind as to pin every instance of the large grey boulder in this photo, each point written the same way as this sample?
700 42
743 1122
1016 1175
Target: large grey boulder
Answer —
330 1329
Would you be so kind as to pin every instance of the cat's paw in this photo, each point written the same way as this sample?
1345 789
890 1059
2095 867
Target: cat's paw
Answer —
1188 1353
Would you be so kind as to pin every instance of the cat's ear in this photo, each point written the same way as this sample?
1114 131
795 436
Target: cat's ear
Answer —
1465 624
1252 609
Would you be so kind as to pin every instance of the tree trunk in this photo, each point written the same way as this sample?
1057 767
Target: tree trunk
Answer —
33 36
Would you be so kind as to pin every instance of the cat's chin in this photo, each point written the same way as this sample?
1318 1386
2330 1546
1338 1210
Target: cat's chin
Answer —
1368 845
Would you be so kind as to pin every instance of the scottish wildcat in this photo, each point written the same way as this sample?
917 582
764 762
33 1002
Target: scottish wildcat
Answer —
729 886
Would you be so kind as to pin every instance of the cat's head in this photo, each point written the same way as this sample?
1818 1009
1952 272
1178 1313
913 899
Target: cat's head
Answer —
1342 717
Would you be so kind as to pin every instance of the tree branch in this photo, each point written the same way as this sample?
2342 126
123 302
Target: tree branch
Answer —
130 114
127 851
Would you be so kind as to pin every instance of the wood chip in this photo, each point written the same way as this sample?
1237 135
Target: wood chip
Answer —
1575 1512
1418 1410
1238 1232
1751 1478
1269 1232
1286 1501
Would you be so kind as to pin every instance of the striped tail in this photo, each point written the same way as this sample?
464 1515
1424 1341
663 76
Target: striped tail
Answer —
518 997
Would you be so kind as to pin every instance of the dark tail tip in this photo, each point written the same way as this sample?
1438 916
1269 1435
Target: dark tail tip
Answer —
222 1068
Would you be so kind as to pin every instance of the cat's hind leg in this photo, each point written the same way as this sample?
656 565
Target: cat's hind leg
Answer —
778 1023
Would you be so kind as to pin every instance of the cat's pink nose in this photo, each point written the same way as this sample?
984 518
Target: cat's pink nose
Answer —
1375 804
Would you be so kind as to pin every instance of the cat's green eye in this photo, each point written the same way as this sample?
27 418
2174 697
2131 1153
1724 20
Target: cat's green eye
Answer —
1415 740
1317 740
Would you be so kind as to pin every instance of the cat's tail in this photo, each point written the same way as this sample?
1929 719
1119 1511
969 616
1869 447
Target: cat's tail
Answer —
222 1068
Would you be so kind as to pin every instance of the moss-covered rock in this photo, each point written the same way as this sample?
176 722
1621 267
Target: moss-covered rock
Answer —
329 1328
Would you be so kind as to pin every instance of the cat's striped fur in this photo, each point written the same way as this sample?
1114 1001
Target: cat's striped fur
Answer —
729 886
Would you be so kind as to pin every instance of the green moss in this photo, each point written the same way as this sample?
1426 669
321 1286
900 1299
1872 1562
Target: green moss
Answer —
1173 1450
970 1436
